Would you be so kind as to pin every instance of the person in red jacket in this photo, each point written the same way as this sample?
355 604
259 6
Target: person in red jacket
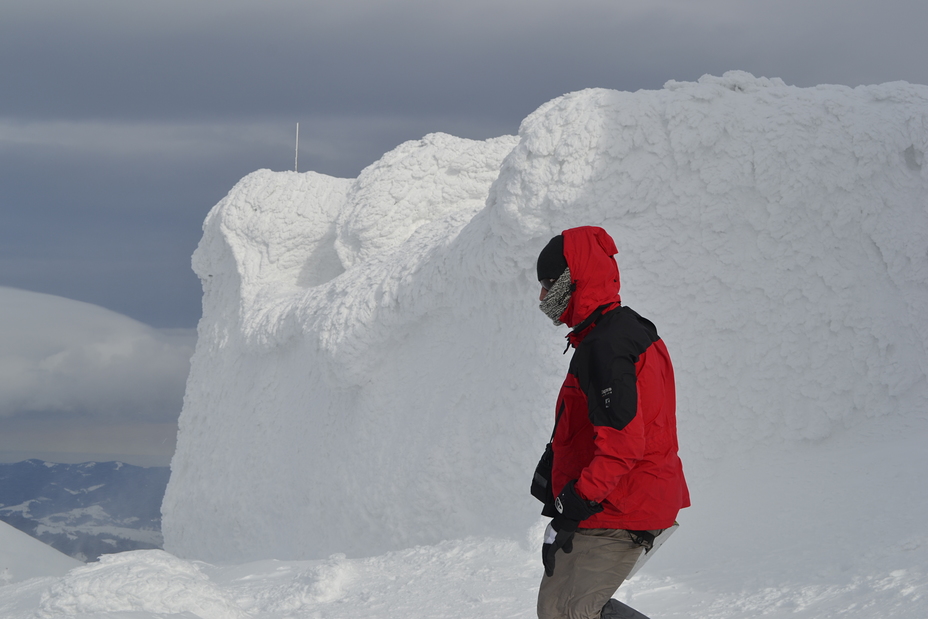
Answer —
615 471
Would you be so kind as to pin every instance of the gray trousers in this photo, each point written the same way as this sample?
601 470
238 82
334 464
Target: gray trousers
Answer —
584 580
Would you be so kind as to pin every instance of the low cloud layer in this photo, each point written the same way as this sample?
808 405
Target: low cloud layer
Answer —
64 357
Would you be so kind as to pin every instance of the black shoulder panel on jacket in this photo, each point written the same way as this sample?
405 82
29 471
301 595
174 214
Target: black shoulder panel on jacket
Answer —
604 364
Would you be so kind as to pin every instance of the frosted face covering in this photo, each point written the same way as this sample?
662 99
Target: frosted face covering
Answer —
555 302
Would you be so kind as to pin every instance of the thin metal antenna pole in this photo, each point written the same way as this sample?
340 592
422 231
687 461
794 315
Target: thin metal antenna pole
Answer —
296 157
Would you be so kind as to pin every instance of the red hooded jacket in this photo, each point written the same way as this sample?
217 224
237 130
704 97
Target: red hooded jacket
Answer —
616 427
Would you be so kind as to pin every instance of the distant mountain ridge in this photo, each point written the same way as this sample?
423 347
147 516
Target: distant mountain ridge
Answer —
85 510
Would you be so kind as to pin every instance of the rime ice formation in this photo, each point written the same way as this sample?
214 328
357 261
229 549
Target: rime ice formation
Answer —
372 371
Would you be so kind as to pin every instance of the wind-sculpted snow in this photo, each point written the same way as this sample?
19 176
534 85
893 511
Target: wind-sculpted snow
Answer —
142 581
372 371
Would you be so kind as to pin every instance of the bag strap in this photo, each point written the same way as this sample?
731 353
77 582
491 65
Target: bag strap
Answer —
556 419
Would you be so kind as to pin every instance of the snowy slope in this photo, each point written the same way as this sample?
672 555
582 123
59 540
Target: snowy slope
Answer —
22 557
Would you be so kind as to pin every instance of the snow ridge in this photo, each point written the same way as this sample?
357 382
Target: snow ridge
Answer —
372 373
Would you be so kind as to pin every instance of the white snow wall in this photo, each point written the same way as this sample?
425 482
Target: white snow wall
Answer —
372 370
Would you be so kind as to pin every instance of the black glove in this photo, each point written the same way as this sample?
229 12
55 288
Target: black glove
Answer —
572 510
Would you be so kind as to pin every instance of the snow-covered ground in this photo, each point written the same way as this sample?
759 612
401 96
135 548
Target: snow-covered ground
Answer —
373 382
824 530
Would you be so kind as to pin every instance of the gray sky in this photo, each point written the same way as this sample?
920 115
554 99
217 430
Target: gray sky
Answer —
122 123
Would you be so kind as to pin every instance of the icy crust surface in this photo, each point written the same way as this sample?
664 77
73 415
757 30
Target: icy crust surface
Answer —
372 371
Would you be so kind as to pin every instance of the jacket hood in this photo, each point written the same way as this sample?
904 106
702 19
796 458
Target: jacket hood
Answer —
589 252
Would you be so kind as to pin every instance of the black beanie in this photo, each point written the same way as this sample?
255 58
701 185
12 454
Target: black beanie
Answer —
551 261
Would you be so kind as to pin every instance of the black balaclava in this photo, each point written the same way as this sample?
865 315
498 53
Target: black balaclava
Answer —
551 261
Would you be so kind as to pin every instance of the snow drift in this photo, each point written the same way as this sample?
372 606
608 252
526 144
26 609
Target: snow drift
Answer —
372 371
